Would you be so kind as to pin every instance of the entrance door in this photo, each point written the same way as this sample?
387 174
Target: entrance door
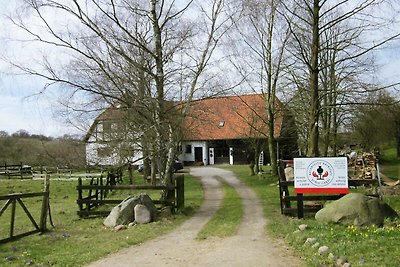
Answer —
198 154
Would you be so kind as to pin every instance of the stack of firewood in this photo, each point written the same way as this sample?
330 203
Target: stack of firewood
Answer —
366 166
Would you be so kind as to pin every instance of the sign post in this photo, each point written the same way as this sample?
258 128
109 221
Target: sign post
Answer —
321 175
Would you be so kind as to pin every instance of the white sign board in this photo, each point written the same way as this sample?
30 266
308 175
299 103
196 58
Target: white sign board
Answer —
321 175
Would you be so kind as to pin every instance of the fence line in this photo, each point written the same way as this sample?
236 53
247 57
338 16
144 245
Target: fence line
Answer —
14 170
97 193
301 208
12 201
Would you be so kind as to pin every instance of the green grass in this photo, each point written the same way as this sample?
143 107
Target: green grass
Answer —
373 248
389 164
389 155
391 170
227 219
75 241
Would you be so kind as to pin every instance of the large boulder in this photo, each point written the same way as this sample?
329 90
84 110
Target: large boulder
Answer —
146 200
123 213
356 209
142 214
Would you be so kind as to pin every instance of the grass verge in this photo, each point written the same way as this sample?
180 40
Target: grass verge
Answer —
75 241
367 246
227 219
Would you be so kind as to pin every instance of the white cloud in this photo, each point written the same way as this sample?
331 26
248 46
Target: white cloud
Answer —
32 114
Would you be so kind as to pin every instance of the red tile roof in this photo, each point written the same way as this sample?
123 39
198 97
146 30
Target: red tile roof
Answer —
230 117
219 118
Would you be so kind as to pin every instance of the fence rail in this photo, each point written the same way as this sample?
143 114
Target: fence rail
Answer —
15 170
23 171
302 207
65 176
13 199
97 193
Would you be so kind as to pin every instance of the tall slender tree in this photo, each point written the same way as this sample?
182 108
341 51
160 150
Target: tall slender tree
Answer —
125 54
260 40
313 19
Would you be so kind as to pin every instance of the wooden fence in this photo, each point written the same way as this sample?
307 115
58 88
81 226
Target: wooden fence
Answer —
15 170
66 176
13 199
313 204
95 193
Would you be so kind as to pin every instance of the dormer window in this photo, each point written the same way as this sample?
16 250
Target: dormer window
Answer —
221 124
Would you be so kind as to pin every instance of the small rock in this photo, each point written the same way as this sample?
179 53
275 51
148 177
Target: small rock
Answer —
346 265
66 235
9 258
332 256
297 232
131 224
316 245
303 227
340 261
323 250
310 241
119 227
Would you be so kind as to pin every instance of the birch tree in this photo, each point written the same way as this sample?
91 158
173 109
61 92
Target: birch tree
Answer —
259 57
130 55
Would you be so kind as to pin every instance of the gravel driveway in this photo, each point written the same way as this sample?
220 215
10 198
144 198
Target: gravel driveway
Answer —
250 247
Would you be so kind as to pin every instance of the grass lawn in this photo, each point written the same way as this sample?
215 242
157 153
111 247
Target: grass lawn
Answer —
75 241
389 164
368 246
227 219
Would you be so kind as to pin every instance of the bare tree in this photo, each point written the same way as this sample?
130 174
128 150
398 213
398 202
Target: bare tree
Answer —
312 42
377 123
262 35
130 55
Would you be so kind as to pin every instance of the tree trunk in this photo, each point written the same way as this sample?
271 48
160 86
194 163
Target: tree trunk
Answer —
160 105
271 95
313 150
271 143
397 138
153 170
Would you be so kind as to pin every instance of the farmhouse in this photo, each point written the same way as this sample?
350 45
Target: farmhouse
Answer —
228 129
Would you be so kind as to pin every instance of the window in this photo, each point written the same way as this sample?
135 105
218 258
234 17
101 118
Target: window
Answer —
188 149
99 128
107 130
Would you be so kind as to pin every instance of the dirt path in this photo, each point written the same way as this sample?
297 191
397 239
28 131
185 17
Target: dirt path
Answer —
249 247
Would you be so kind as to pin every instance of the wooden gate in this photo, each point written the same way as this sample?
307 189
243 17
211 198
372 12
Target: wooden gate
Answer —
94 195
13 199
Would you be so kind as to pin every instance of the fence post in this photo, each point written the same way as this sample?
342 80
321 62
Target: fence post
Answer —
45 205
13 206
300 206
79 187
180 191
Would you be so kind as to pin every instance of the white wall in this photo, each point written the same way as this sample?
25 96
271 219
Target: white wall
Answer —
190 156
92 157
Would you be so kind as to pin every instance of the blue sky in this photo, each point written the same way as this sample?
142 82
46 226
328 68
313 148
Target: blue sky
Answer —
21 109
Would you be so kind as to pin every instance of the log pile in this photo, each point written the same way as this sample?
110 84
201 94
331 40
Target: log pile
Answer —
365 166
